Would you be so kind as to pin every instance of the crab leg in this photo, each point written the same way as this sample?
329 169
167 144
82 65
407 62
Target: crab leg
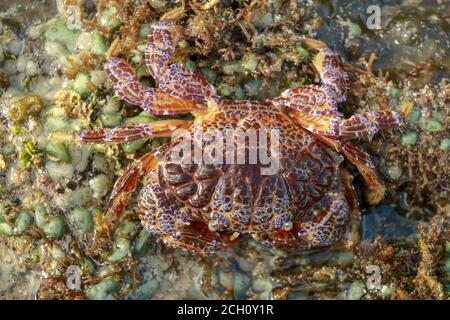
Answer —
173 79
314 100
155 101
319 100
352 233
316 106
126 185
357 126
162 128
363 162
321 125
161 44
159 102
369 123
329 66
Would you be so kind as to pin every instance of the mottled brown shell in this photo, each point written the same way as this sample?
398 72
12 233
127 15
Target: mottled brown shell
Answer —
203 207
224 199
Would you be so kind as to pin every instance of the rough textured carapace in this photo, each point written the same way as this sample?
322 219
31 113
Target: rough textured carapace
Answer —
204 207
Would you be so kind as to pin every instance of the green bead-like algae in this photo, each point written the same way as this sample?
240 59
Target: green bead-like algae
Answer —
253 87
433 125
99 185
239 93
58 150
105 271
109 18
414 115
356 291
22 223
146 290
62 123
111 120
133 146
41 215
122 249
81 85
250 63
56 228
6 229
4 209
241 284
90 264
143 32
395 93
409 138
225 89
189 65
447 266
143 117
102 290
232 67
99 45
354 30
445 145
386 291
262 20
209 74
53 226
59 32
141 243
262 285
83 220
8 149
304 54
126 230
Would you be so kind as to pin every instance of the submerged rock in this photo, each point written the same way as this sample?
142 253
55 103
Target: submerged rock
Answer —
386 222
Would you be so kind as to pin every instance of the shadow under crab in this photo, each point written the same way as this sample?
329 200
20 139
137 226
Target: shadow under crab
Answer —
204 207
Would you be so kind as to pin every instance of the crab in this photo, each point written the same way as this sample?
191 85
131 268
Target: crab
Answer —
205 207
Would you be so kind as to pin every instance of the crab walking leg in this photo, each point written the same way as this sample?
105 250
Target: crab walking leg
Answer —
315 100
162 128
119 70
155 101
126 185
126 83
363 162
158 102
132 92
327 125
185 84
329 66
173 79
369 123
352 232
161 44
357 126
